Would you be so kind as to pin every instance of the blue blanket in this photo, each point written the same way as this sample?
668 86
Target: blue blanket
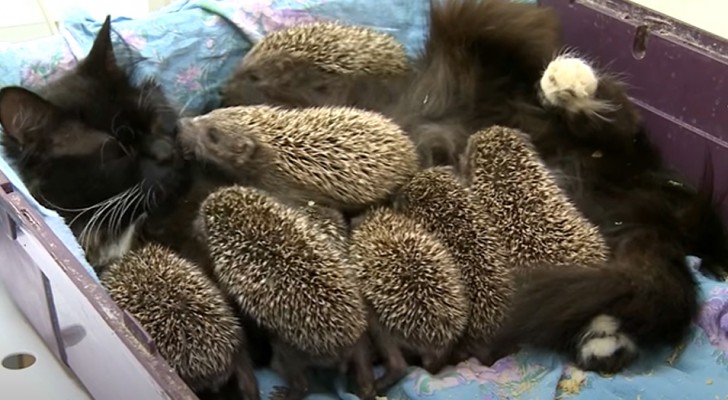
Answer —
191 46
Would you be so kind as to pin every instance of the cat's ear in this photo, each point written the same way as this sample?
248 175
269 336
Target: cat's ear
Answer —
23 113
101 59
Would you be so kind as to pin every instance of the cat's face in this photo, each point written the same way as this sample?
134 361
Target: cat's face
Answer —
96 149
279 80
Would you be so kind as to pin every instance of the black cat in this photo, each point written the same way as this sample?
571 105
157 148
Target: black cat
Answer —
96 148
495 62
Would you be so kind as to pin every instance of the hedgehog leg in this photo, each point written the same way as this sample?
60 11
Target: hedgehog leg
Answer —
363 371
485 354
244 372
292 369
434 361
395 365
488 355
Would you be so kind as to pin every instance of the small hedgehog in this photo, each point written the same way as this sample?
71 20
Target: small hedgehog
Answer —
329 221
436 199
533 216
296 65
337 157
187 316
285 273
413 287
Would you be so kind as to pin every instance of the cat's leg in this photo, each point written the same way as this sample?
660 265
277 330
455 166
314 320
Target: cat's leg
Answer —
593 105
570 83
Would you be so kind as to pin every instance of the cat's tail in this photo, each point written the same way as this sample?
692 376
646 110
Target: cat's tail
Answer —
600 317
470 36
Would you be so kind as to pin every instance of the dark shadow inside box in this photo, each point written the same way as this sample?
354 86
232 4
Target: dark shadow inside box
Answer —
677 74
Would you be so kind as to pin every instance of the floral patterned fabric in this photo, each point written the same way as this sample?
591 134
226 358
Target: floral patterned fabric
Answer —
192 46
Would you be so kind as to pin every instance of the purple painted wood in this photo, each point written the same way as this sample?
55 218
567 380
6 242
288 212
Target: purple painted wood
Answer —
679 78
109 353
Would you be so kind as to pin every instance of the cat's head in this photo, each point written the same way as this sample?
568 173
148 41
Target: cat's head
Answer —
96 148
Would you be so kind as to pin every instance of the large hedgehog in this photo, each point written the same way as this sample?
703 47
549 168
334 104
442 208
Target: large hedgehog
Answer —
296 66
413 287
338 157
436 199
186 315
533 216
284 272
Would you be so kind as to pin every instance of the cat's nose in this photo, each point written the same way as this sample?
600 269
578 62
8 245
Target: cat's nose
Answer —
161 149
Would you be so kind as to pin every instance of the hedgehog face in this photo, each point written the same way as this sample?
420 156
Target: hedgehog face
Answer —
279 79
203 139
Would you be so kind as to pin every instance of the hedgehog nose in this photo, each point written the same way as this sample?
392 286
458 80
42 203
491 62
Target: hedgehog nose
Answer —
161 149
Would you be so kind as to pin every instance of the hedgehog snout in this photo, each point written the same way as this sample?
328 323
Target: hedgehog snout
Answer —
189 137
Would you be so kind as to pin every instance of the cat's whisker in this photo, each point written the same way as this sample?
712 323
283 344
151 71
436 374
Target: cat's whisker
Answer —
186 105
145 195
131 201
111 212
154 199
50 204
88 230
113 121
101 151
140 199
117 215
114 211
125 149
101 213
80 212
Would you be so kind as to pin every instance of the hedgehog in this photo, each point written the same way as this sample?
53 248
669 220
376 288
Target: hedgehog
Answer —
284 273
296 65
535 218
439 201
413 287
338 157
187 316
329 221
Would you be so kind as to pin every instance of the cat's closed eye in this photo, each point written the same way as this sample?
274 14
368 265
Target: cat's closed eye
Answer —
112 149
124 134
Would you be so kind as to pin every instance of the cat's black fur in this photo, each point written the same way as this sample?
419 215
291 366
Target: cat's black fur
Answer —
90 136
481 66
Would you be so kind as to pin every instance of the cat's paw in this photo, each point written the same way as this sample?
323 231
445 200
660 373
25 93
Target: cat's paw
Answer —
604 348
569 83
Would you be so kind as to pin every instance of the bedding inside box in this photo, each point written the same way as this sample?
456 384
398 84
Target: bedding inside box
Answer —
531 374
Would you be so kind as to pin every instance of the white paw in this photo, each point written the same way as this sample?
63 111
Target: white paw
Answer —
570 83
606 346
603 339
604 325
